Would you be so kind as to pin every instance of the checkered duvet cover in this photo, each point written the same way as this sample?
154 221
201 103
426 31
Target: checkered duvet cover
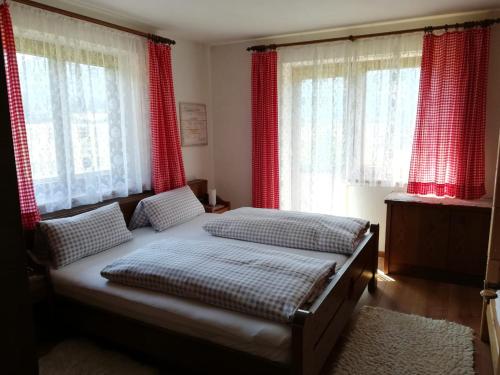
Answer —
240 277
318 232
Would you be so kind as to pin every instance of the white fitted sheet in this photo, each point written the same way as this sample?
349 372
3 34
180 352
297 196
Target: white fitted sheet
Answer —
82 281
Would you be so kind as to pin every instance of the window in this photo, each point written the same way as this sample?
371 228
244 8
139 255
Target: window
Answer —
38 116
85 104
89 128
347 116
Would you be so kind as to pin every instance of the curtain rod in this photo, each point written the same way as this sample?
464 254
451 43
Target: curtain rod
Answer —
352 38
153 37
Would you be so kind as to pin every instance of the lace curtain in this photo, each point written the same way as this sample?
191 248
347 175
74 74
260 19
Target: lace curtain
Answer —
346 117
85 98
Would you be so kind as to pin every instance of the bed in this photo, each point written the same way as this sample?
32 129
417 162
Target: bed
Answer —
197 336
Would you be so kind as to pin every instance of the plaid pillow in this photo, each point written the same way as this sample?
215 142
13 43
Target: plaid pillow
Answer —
79 236
299 230
167 209
139 218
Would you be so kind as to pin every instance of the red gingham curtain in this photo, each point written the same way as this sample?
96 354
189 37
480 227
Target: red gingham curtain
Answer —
265 147
167 164
29 210
448 147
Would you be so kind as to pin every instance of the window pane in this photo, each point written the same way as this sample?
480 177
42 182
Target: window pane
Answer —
321 122
88 117
37 103
389 121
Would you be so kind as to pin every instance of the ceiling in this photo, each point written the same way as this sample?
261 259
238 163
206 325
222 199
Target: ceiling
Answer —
217 21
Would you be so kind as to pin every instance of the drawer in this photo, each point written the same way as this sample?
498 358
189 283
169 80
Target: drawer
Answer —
419 236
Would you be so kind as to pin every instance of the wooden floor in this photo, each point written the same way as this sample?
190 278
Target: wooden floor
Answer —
456 303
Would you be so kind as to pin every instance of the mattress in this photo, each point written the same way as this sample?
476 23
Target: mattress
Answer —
82 281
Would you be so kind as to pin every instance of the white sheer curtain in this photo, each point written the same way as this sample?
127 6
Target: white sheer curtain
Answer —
346 116
85 98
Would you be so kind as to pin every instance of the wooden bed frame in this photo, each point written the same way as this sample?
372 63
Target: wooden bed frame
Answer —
315 330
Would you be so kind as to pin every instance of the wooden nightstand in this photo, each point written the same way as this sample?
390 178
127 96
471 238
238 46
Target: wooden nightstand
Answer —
39 287
200 189
42 304
221 206
37 278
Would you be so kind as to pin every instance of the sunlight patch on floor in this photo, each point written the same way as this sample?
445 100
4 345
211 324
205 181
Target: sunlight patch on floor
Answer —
383 277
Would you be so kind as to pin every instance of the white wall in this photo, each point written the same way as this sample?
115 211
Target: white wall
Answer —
231 116
230 74
493 110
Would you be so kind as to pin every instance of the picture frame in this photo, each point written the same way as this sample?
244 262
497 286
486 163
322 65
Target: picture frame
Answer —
193 124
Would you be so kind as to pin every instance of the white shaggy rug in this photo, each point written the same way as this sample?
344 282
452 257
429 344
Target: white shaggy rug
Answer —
388 342
380 342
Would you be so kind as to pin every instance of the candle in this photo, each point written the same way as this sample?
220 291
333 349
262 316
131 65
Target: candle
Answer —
212 197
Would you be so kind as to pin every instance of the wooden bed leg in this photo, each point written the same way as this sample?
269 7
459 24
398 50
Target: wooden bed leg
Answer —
372 284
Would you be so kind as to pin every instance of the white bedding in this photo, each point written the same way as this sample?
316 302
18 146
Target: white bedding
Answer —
82 281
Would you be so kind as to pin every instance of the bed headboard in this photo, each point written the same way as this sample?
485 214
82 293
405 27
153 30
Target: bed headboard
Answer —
127 205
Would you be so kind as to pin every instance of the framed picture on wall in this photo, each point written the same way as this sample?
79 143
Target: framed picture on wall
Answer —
193 120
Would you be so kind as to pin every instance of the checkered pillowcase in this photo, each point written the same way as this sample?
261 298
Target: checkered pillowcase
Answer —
139 218
299 230
167 209
72 238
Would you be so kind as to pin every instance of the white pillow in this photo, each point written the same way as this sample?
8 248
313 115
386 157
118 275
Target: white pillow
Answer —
167 209
76 237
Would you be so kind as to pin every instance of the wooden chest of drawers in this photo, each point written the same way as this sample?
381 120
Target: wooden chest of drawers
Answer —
439 238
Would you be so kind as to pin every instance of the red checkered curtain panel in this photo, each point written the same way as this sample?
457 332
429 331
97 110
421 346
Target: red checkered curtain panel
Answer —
167 164
448 146
265 149
29 210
